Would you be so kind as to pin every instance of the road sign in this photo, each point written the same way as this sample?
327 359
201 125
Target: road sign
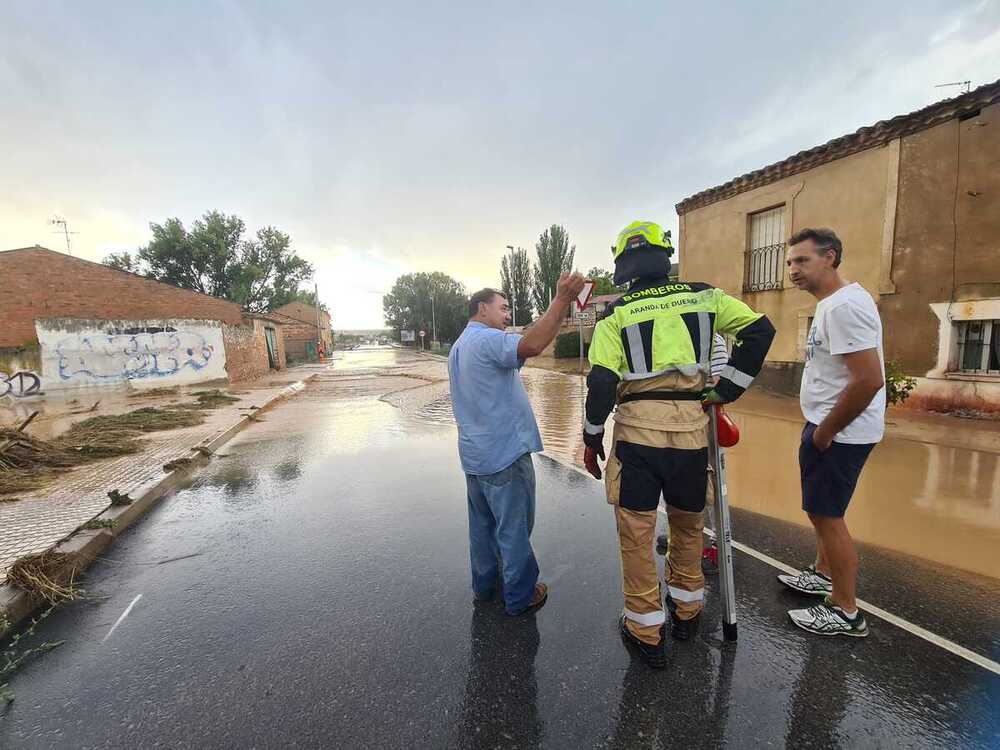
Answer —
584 297
422 334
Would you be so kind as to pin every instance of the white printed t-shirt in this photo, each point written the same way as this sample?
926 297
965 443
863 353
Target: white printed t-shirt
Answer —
847 321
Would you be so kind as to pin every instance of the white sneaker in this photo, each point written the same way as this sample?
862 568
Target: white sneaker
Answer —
809 581
825 619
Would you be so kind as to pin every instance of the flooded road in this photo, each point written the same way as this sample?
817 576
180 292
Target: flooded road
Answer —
310 588
931 489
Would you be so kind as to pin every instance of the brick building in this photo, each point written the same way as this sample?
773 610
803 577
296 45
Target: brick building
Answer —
301 335
67 322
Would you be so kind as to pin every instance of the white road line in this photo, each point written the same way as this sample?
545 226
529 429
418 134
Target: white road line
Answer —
899 622
123 616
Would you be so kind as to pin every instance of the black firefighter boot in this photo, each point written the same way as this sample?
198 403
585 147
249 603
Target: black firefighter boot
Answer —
680 630
653 656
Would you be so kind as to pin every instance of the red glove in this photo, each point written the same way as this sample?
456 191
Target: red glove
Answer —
590 461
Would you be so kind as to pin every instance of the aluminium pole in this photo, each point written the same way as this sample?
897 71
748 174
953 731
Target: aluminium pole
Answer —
723 530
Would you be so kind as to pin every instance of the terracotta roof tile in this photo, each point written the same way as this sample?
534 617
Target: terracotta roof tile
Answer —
864 138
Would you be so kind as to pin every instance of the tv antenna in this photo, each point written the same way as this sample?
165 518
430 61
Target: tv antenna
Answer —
59 221
966 84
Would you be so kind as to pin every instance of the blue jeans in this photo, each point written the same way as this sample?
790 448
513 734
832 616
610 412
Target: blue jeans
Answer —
501 517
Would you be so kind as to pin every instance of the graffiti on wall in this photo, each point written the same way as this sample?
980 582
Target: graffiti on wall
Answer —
132 355
20 384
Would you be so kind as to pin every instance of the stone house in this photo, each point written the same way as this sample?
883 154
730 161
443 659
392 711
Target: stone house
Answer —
916 202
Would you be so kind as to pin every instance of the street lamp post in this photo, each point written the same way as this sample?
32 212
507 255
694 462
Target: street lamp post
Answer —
513 298
434 328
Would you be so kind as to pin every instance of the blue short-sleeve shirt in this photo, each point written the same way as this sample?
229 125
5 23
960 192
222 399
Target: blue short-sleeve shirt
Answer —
495 423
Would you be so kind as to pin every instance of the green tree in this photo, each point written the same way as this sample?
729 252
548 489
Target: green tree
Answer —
268 272
408 305
515 280
603 281
213 257
308 297
123 261
555 257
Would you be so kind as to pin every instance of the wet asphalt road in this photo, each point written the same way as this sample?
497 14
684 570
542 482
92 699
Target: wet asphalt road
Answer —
326 604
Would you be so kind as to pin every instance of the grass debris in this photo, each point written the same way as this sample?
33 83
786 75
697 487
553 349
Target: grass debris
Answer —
100 523
147 419
119 498
155 392
48 575
14 654
27 463
177 463
212 399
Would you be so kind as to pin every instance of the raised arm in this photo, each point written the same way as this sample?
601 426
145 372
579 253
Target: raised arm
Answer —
542 332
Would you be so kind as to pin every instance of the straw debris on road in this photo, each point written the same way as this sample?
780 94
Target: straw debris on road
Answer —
27 463
48 575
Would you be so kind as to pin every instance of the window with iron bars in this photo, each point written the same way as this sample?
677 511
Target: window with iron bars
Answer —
979 346
764 260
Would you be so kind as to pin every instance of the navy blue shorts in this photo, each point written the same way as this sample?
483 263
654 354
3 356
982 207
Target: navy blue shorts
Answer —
829 477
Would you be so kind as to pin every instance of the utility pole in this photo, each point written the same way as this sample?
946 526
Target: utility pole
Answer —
434 327
59 221
513 295
319 331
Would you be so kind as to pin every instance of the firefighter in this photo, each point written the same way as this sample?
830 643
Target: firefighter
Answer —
651 356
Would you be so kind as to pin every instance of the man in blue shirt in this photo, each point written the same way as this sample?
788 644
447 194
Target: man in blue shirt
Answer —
496 436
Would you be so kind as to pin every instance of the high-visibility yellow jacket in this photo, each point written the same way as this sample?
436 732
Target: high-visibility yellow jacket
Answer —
661 328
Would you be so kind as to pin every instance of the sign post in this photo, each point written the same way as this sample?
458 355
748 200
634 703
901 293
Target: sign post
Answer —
422 334
581 305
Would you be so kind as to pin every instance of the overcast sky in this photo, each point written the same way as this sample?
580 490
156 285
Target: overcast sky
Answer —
387 138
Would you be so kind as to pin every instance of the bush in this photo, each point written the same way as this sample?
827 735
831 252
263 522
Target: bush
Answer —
568 346
897 383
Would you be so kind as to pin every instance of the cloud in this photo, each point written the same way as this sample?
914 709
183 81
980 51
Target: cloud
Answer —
394 138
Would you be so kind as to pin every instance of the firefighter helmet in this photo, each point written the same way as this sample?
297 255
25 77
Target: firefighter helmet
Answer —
642 234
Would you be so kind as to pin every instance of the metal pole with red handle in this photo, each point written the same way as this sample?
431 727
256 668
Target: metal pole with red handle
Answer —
723 530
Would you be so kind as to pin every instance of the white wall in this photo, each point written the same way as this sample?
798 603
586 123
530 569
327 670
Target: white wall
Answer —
78 353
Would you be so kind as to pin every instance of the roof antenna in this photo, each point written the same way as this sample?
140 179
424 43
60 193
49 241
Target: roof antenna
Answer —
966 84
59 221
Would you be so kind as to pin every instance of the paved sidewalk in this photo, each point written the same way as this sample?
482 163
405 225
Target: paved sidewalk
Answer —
40 519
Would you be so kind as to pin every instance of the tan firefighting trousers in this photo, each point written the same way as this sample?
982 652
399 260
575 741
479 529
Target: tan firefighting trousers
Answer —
657 424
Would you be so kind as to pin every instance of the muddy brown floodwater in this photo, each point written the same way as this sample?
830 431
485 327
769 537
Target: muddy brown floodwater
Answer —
930 489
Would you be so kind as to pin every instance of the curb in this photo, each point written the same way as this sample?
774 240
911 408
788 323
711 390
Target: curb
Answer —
86 544
432 355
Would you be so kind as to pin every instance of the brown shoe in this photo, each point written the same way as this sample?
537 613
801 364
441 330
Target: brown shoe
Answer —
538 600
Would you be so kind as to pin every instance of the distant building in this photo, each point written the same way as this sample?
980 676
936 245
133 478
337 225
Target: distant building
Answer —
68 323
304 340
916 201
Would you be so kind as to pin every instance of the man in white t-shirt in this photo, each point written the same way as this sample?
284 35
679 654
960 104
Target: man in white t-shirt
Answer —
843 400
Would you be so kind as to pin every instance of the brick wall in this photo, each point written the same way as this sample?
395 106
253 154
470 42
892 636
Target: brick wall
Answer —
296 336
246 350
38 283
300 327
